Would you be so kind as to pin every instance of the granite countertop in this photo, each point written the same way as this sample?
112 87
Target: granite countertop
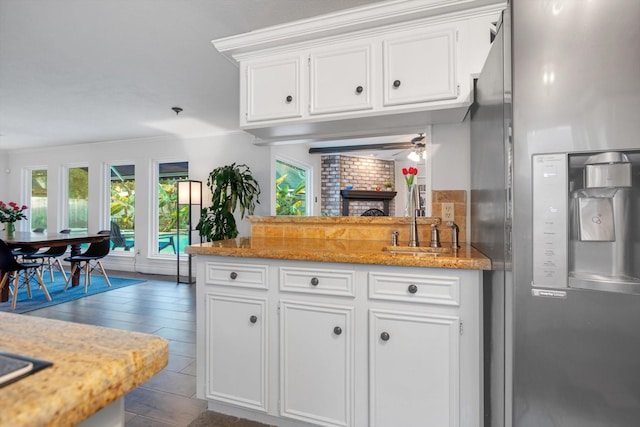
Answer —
93 367
336 250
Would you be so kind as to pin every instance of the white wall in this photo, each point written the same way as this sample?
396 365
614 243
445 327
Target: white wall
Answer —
203 155
450 157
4 181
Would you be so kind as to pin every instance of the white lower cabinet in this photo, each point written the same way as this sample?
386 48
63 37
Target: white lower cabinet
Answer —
235 337
331 344
316 363
413 369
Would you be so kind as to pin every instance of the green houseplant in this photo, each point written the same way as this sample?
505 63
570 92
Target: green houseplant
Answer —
231 186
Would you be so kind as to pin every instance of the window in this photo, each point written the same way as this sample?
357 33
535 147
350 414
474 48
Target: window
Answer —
122 186
78 199
38 203
168 174
292 188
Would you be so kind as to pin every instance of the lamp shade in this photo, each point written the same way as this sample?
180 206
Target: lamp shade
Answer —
189 192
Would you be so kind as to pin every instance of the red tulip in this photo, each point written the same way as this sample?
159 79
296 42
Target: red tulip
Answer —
404 171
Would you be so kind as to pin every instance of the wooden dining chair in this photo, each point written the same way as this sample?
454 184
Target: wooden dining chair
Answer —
89 260
11 273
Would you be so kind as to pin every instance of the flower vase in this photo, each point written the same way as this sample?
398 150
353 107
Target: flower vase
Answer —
9 229
408 210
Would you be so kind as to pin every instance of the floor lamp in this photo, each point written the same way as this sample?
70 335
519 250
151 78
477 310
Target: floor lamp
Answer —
189 194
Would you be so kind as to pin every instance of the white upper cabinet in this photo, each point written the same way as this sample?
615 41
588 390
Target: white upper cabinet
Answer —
340 80
420 67
382 68
272 89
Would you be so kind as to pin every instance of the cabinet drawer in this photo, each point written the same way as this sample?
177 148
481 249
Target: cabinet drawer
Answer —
238 275
317 281
418 288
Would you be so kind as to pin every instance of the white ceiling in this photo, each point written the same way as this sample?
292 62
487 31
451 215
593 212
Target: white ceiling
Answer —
80 71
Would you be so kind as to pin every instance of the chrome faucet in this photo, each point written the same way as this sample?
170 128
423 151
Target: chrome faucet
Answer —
413 231
435 237
454 234
413 223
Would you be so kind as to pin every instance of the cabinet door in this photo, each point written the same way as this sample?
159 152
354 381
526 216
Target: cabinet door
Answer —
316 363
413 370
420 68
340 80
273 89
235 332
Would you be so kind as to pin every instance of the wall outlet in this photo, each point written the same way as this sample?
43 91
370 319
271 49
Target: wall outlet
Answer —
447 212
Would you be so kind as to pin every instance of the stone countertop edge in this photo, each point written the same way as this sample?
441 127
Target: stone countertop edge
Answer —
93 366
340 251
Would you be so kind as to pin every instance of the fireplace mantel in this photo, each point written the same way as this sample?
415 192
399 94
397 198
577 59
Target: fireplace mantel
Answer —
372 196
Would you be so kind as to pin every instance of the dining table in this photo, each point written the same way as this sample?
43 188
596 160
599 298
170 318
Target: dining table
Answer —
46 240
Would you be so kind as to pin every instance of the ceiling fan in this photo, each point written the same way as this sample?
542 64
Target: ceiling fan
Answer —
416 148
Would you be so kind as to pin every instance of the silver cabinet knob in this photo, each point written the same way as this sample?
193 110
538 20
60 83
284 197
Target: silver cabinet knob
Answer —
385 336
233 275
315 281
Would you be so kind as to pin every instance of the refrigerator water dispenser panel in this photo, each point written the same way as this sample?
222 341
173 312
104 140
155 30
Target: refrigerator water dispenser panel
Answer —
604 239
550 216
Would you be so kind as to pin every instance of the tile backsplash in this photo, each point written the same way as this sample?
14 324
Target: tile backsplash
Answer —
459 200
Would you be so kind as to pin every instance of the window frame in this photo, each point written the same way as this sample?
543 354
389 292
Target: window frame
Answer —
154 213
63 182
106 199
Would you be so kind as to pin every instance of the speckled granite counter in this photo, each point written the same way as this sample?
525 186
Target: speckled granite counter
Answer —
93 367
336 250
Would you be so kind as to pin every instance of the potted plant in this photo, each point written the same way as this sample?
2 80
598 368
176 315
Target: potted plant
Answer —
231 186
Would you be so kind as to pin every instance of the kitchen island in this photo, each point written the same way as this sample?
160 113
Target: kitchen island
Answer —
339 332
93 368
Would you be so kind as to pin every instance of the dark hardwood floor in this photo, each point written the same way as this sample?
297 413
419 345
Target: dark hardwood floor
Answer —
158 306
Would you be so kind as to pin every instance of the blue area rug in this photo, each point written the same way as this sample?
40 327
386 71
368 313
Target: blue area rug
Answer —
58 296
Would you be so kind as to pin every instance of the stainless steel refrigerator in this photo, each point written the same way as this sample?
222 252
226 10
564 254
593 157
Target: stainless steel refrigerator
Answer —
555 135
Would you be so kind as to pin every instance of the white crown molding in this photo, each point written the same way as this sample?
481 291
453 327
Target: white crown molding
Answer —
347 21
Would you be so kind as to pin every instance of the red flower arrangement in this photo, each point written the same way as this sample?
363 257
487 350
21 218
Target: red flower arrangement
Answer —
12 212
409 174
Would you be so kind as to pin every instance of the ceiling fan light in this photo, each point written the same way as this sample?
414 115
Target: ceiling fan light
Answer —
413 156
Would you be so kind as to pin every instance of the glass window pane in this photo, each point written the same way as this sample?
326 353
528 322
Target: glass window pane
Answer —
38 204
122 208
291 189
168 174
78 207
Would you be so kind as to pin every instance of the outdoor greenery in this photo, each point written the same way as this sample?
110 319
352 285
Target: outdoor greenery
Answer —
289 201
232 186
78 198
38 206
123 202
291 184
